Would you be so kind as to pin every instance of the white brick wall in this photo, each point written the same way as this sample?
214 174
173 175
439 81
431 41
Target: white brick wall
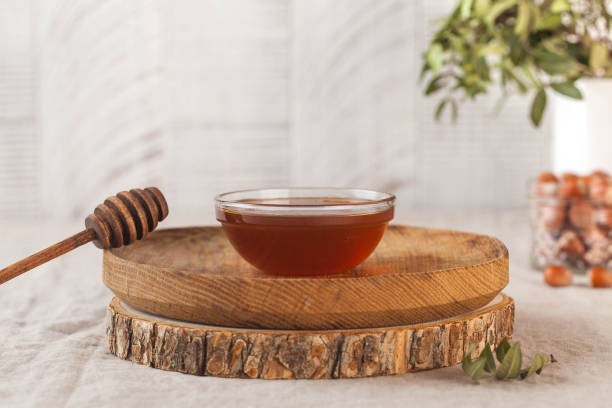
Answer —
206 96
19 142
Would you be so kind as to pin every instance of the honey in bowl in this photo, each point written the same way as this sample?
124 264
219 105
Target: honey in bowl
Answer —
304 232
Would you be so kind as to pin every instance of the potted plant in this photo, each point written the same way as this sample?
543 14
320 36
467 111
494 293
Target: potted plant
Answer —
536 48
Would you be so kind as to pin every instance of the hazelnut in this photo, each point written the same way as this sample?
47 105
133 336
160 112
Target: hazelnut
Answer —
600 277
595 236
596 255
546 185
603 216
547 177
598 188
570 244
569 176
600 173
557 275
608 196
584 180
583 185
553 217
569 188
581 214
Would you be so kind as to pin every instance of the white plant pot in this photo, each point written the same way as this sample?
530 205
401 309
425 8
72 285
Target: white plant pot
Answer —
582 130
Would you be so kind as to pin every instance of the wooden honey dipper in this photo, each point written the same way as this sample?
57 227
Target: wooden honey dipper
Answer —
121 220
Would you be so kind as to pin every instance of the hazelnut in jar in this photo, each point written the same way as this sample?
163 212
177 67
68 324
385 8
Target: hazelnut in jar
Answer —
581 214
597 188
546 184
569 187
572 222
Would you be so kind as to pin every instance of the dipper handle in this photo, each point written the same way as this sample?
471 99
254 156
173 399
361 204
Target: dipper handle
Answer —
121 220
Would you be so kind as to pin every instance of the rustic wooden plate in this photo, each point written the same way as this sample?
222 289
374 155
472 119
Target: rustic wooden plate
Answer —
415 275
275 354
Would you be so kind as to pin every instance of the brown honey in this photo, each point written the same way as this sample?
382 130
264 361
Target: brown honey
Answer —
304 245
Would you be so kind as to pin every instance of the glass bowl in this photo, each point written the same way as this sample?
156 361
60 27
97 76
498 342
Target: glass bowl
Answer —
304 231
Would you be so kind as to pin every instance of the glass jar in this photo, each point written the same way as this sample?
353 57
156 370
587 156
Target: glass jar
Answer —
571 221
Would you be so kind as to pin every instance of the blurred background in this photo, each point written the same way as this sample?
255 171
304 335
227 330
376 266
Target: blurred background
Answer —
202 97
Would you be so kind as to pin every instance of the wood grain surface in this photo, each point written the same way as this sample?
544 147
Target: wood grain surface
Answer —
268 354
415 275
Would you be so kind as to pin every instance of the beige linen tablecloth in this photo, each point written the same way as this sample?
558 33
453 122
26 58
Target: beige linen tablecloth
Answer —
53 351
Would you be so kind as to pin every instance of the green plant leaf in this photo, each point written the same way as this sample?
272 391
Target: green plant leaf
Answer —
527 72
531 43
474 369
511 364
567 89
508 75
537 365
521 27
466 8
517 51
510 357
560 68
536 15
490 48
502 349
537 107
469 351
481 7
440 109
545 55
553 63
423 72
434 57
497 8
549 22
559 6
487 356
482 69
434 85
544 362
599 56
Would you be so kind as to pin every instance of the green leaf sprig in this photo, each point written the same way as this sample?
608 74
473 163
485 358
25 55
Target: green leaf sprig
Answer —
510 358
524 46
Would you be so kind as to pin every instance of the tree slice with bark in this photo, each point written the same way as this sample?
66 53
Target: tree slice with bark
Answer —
282 354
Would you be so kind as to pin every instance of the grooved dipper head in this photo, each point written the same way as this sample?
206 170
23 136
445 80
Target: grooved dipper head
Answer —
127 217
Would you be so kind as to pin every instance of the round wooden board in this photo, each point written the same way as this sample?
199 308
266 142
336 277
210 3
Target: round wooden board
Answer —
268 354
415 275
